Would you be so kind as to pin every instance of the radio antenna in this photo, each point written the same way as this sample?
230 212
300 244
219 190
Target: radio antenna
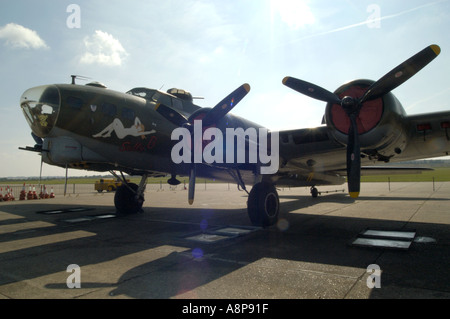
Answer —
84 78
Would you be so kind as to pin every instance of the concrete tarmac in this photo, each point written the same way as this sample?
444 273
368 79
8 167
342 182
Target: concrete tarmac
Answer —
210 249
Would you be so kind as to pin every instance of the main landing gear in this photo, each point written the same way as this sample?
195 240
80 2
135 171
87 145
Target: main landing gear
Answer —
129 197
263 204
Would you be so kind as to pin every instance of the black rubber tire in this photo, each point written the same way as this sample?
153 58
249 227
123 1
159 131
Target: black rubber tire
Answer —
125 200
263 205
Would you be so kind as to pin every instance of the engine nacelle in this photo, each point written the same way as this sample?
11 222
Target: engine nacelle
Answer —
379 121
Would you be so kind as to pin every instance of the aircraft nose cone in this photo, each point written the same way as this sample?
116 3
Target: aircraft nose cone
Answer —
40 106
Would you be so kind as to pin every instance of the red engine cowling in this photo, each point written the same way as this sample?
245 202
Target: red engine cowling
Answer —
380 122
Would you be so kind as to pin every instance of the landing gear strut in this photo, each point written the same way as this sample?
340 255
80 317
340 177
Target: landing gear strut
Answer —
263 204
129 197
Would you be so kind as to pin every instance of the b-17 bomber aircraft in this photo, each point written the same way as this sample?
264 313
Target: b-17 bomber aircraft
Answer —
148 132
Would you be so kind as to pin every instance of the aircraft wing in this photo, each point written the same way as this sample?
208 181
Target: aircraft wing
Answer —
305 148
311 156
428 136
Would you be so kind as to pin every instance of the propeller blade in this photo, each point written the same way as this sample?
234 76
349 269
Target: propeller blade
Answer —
353 159
191 190
171 115
401 73
225 106
311 90
352 105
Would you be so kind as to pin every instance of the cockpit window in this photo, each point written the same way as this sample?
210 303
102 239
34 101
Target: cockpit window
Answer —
41 107
142 92
156 96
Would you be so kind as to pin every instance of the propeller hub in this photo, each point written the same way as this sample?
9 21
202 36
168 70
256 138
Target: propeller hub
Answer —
349 104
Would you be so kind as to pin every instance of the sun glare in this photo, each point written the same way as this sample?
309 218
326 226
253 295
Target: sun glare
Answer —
295 13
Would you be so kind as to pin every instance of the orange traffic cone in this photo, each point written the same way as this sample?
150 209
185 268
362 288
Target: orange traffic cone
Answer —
30 194
46 195
6 197
34 193
11 194
41 194
1 194
23 193
52 195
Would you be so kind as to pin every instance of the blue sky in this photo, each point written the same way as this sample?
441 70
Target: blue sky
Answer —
211 47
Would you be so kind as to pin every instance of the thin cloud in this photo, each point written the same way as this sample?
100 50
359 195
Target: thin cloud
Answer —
422 102
366 22
17 36
102 48
294 13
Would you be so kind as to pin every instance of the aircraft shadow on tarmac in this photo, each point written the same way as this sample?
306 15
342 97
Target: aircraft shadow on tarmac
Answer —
298 202
309 238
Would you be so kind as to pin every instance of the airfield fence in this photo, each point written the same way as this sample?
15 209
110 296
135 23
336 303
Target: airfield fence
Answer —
82 188
78 189
58 189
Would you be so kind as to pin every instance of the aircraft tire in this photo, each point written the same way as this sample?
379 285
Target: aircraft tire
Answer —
263 205
125 200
